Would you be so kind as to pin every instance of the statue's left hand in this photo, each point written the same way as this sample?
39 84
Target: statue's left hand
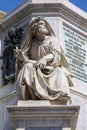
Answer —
16 52
19 54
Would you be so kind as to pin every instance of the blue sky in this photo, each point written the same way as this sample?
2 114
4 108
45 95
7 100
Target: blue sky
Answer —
8 5
82 4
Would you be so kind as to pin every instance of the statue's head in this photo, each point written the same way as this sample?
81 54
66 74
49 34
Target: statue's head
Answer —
39 24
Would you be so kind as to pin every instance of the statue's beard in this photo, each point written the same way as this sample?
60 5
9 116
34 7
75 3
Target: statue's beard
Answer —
43 30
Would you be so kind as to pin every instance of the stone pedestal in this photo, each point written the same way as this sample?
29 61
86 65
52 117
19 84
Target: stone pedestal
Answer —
43 115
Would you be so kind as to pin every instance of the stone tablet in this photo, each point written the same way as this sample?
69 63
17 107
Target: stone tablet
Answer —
75 50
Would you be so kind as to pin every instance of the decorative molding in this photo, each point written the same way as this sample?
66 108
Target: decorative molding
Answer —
78 94
12 95
2 14
8 97
61 8
49 115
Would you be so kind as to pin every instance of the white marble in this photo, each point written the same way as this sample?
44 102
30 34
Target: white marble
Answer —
5 121
66 128
78 100
45 1
67 14
53 116
20 129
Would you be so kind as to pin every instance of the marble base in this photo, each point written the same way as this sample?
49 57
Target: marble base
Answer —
43 115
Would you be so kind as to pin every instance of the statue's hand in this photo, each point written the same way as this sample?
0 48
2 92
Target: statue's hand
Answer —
41 63
16 52
19 54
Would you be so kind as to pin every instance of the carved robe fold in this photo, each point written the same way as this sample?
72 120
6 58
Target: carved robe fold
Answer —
50 83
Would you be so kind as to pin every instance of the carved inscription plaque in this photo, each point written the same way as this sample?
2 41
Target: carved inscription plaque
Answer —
76 53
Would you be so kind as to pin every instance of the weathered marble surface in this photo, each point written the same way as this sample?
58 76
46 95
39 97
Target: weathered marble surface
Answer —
5 121
33 114
43 70
57 16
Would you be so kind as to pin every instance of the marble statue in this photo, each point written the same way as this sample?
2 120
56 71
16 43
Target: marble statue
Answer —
43 72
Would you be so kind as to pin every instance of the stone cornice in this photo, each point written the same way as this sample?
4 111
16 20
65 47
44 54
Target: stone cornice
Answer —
13 95
78 94
8 97
2 14
64 9
56 116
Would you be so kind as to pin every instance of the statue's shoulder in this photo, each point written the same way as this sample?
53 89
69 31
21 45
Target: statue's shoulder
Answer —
53 38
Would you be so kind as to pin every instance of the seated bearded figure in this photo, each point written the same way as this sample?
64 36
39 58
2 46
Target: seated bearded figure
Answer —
43 72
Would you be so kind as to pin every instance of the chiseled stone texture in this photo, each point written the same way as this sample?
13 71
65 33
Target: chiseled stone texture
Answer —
44 1
7 97
43 114
2 14
80 100
72 16
5 121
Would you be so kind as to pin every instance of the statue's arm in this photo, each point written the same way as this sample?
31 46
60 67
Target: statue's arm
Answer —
21 56
30 61
48 57
42 63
